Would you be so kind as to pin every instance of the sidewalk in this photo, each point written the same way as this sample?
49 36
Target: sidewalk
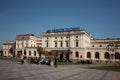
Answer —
17 71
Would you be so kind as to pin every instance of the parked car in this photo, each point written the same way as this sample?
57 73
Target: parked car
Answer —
43 61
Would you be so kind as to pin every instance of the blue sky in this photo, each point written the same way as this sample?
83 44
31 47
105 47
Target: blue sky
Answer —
101 18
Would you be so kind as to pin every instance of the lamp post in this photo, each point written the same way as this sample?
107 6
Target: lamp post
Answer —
112 47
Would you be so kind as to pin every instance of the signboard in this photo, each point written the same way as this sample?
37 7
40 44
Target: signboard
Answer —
63 30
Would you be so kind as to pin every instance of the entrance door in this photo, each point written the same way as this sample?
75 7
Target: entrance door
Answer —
61 56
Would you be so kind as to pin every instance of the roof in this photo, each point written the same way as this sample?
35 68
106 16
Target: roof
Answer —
26 35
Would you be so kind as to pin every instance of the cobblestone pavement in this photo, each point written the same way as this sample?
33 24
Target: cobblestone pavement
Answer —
16 71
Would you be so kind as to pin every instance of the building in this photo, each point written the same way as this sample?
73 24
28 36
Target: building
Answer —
71 43
77 44
7 46
25 45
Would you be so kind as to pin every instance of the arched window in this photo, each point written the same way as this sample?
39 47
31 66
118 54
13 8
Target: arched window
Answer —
117 55
107 55
76 54
97 55
88 55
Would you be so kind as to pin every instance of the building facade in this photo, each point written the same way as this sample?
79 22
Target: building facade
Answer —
74 44
7 46
79 45
25 45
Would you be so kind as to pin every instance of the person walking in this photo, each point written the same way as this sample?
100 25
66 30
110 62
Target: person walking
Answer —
55 63
22 60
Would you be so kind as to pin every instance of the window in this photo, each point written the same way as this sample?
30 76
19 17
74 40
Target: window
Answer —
88 55
47 38
5 52
77 54
97 55
67 37
92 45
67 44
46 44
24 52
117 55
34 53
80 56
61 37
61 44
55 44
107 55
100 45
76 43
29 53
76 36
55 37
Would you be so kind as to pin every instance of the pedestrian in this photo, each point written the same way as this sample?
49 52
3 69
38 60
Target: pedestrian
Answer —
49 63
22 61
55 63
52 63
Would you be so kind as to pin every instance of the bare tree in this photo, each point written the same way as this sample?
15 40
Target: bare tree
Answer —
40 51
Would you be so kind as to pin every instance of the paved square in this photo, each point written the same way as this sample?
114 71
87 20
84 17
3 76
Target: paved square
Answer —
16 71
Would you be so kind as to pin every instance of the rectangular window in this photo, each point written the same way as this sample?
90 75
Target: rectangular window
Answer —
55 44
61 44
47 44
67 44
29 53
76 43
34 53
